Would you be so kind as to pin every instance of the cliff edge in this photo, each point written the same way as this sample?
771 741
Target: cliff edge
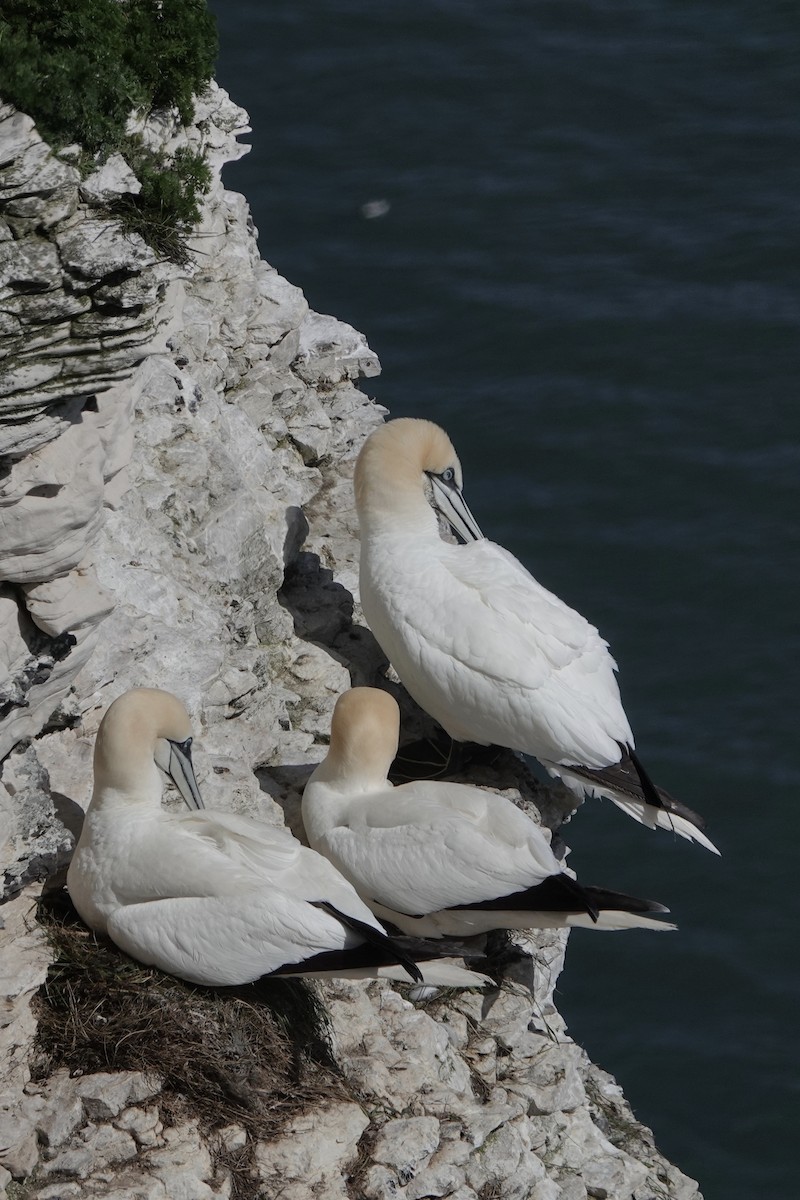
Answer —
177 443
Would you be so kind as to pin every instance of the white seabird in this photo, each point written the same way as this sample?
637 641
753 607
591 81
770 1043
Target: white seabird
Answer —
441 858
485 649
213 897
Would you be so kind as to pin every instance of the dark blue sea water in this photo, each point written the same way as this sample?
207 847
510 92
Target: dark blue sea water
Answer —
588 273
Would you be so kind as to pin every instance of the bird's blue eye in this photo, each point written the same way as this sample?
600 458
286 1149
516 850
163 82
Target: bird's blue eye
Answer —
448 476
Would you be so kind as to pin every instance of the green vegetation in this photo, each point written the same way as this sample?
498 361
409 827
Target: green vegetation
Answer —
168 205
81 67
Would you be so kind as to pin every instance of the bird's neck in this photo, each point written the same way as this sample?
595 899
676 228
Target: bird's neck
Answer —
402 511
331 791
138 793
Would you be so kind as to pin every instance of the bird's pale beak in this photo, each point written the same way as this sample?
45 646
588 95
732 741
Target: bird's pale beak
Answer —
175 760
451 504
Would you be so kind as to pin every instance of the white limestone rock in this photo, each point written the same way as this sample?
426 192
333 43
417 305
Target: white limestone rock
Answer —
52 506
41 844
93 249
479 1122
19 1147
39 678
406 1145
183 1164
546 1073
105 1094
69 602
571 1187
32 264
545 1189
29 377
107 1185
283 308
37 189
98 1147
314 1154
60 1191
24 959
54 1109
144 1125
8 823
379 1183
29 421
443 1180
332 351
112 179
17 130
505 1159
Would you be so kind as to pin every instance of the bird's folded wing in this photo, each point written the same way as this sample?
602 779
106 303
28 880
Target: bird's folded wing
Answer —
496 627
224 940
316 880
506 826
525 633
433 862
263 855
244 841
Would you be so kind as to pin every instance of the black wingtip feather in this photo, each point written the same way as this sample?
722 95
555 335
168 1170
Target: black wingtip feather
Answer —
350 959
608 901
382 941
649 789
562 893
629 778
557 893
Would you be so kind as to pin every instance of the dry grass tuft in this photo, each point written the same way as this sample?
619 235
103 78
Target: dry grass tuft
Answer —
257 1055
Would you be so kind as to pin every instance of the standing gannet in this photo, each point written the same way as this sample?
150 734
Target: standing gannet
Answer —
486 650
213 897
441 858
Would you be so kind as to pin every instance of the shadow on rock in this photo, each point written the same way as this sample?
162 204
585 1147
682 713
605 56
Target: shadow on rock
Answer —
322 610
284 784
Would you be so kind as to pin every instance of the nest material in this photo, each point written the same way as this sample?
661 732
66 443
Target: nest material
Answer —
256 1055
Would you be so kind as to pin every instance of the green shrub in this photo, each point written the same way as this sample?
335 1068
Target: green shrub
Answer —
80 67
63 64
169 203
172 50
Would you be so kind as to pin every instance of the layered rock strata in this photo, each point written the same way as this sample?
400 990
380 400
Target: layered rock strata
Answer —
177 449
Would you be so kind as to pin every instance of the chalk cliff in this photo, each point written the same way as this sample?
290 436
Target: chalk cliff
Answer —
177 446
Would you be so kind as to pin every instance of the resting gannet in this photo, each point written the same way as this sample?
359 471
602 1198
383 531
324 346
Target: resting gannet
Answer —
486 650
213 897
441 858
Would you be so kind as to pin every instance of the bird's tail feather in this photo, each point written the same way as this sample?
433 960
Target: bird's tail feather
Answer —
668 814
659 818
612 919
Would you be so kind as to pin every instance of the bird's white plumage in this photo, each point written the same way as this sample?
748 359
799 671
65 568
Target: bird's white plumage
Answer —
491 654
479 643
419 849
425 846
215 898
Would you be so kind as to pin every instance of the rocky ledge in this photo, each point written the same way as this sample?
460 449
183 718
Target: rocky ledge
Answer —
177 447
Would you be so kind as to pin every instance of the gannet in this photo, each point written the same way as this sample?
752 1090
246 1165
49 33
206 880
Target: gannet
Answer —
485 649
213 897
441 858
